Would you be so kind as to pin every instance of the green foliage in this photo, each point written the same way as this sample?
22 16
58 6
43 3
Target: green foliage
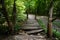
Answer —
40 5
4 29
32 6
56 23
55 32
42 25
20 8
21 18
9 6
57 9
17 28
2 19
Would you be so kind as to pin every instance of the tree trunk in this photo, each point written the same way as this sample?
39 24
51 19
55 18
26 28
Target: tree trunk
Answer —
14 13
27 15
49 28
6 15
35 14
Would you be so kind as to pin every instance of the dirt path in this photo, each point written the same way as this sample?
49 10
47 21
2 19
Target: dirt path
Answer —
32 27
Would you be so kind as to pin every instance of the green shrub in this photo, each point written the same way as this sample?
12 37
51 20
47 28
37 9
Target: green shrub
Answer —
56 23
42 25
21 18
17 28
55 32
4 29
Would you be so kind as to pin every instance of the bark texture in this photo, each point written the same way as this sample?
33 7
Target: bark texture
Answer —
14 13
5 13
49 27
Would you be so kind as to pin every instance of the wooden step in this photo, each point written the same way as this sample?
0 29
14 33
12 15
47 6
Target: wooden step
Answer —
34 31
31 21
31 25
29 28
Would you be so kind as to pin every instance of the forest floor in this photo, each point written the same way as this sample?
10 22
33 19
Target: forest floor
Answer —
32 30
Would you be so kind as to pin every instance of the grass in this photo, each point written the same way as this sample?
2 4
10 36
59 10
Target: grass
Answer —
55 32
56 23
42 25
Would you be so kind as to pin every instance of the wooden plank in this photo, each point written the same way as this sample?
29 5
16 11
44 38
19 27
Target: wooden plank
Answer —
34 31
30 28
